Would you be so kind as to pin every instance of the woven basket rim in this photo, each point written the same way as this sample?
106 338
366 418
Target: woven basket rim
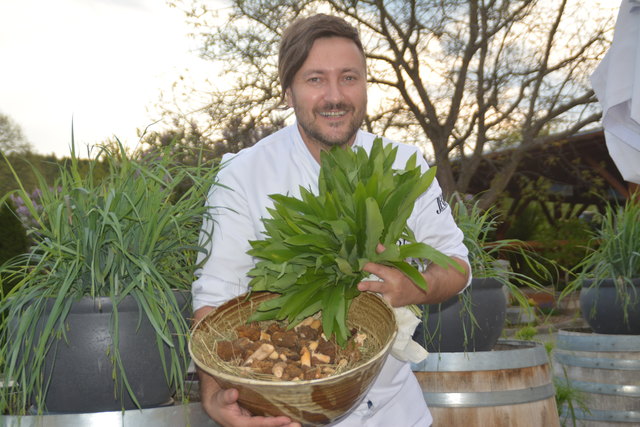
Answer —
386 348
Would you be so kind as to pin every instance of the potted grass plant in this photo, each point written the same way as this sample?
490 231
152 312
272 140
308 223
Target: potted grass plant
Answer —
608 277
490 377
97 319
474 319
599 362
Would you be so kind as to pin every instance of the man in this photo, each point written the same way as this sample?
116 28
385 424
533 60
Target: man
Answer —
323 76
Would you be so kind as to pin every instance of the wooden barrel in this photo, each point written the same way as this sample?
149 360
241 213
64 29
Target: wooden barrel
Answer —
510 386
605 369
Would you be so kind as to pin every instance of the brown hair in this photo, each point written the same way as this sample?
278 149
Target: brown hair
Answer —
299 37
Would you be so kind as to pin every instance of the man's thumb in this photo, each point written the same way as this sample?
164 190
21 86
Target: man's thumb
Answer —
229 396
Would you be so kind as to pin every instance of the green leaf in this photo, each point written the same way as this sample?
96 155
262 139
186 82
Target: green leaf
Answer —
412 273
333 297
390 253
344 266
273 284
270 309
319 240
291 203
298 300
424 251
374 227
341 330
276 252
310 310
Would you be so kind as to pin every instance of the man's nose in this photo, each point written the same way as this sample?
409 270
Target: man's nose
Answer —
334 92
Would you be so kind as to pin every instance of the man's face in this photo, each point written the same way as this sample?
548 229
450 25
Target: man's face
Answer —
329 93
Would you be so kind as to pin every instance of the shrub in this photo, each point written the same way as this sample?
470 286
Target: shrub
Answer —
13 237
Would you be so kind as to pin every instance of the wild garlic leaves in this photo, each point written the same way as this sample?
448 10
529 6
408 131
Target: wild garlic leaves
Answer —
316 245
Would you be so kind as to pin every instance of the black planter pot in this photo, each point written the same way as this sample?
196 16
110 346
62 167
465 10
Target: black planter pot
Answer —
602 308
447 327
81 368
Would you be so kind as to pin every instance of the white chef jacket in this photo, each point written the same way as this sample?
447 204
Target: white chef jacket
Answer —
616 83
280 164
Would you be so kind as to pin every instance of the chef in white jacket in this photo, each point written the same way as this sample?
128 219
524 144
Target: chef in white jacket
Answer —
323 76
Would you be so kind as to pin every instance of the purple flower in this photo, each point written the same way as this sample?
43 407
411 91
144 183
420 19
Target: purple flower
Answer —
22 210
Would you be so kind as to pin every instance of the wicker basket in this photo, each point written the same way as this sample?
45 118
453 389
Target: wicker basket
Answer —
311 402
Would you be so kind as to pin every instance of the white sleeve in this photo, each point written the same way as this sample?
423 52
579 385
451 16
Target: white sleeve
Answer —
223 275
432 223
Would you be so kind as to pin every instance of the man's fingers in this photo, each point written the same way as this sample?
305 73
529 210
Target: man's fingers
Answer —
228 397
371 286
373 268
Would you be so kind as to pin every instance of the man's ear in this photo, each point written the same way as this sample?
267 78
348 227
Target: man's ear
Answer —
288 98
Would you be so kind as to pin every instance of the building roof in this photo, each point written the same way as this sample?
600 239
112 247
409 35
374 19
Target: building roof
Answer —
574 167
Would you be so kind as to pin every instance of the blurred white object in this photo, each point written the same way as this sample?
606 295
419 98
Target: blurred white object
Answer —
404 347
616 82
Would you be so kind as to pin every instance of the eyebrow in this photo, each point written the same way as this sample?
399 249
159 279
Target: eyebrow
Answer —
323 71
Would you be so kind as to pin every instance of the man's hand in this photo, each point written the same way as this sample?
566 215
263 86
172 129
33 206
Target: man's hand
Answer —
223 407
399 290
222 404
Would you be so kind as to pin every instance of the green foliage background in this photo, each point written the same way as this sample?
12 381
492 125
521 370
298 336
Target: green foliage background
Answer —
47 166
13 239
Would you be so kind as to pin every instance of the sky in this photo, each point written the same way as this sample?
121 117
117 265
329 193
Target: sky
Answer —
101 64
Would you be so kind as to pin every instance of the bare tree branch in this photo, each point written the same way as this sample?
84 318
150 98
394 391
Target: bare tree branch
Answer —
461 77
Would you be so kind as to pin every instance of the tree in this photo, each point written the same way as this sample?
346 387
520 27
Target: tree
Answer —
193 145
12 140
24 164
459 77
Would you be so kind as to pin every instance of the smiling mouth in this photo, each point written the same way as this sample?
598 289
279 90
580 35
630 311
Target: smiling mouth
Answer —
331 114
335 110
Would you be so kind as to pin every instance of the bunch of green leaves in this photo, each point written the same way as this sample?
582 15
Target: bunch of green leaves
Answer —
316 245
127 233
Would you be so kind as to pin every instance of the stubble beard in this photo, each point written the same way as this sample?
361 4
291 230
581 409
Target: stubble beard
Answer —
327 141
